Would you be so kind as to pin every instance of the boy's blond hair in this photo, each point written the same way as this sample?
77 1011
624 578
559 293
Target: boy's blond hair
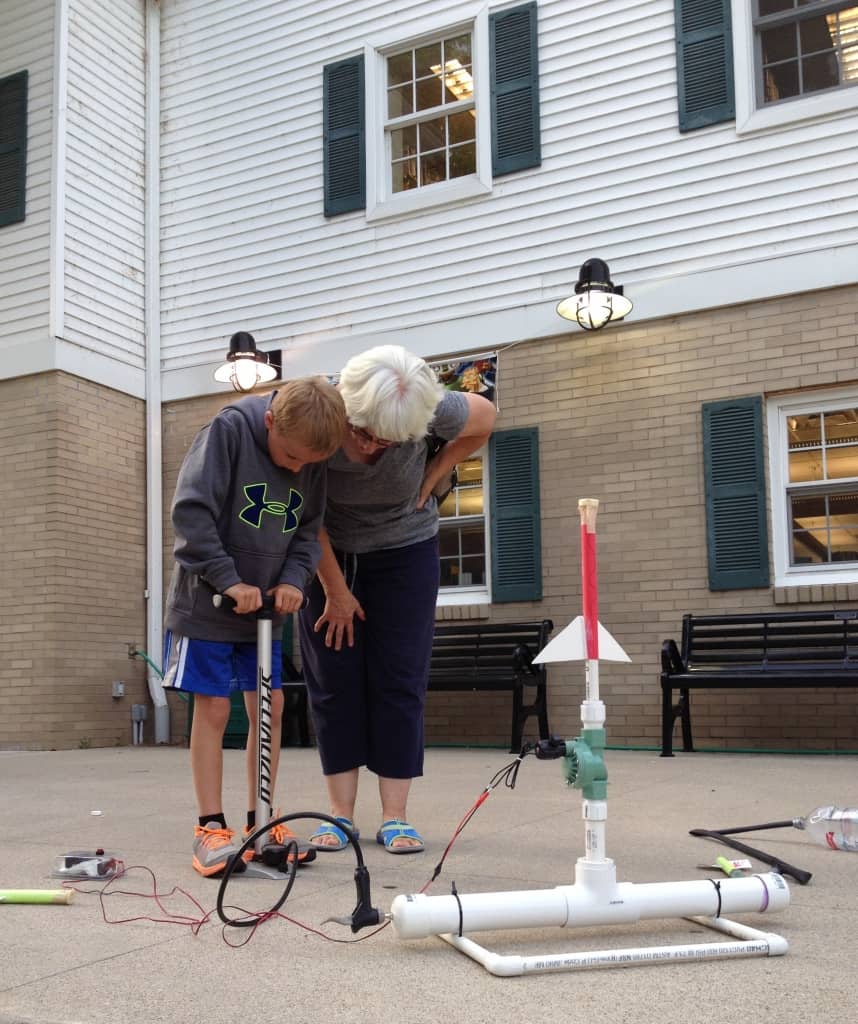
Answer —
310 410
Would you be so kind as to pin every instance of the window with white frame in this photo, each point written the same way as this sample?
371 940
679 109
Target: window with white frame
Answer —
462 537
794 59
805 47
814 446
428 118
431 118
430 126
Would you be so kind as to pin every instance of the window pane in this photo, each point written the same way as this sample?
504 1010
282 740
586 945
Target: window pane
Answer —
809 533
449 572
820 72
842 462
429 93
400 101
458 48
773 6
805 466
841 426
404 175
843 522
849 62
824 528
399 68
463 160
448 543
816 34
804 430
473 572
781 81
461 127
432 134
403 142
471 471
470 501
807 550
779 43
426 59
433 168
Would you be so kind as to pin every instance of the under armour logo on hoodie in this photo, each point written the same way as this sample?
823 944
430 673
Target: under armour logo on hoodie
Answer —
256 495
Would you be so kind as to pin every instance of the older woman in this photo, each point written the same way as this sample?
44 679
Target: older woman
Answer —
366 634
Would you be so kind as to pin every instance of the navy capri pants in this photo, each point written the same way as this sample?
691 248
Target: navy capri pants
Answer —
367 700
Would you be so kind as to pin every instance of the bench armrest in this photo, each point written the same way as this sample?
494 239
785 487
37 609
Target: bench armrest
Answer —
522 659
671 661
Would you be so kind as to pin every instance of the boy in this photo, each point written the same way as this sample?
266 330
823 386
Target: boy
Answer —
247 510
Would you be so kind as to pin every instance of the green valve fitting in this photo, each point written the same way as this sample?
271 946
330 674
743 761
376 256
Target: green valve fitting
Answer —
584 766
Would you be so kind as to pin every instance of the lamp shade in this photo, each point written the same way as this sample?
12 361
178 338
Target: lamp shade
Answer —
597 300
245 367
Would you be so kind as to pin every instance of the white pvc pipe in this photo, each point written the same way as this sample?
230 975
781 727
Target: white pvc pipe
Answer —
752 943
152 327
418 916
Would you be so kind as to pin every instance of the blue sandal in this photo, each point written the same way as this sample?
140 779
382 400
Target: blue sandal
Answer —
395 829
327 828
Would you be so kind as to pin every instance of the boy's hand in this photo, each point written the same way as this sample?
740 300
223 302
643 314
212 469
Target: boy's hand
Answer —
286 598
338 616
247 599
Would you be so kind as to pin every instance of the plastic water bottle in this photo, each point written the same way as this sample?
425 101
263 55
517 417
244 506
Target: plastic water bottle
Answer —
836 827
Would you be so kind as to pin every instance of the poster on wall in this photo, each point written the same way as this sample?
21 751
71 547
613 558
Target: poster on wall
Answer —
477 374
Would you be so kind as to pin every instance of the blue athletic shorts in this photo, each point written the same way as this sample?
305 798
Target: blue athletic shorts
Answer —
213 668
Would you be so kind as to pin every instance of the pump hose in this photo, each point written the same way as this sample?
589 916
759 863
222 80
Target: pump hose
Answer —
363 914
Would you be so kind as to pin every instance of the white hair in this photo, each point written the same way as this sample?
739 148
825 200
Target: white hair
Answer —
390 392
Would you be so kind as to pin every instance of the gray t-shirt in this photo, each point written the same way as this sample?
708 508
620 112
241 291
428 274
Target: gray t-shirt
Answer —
371 507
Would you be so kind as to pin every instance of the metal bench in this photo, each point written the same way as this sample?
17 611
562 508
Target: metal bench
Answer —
495 657
769 651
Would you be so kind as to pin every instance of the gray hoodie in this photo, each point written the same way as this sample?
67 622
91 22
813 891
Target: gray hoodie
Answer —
239 518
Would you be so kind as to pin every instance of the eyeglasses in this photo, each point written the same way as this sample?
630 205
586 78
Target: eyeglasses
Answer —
368 438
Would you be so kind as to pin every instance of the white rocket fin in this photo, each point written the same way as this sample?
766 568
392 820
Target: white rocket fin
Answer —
570 644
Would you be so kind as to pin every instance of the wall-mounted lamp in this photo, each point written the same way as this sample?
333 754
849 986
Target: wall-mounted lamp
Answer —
245 367
597 300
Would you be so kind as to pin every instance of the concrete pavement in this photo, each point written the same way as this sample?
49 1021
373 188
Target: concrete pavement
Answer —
63 964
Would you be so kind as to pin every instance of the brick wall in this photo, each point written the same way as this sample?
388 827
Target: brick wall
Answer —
72 547
619 415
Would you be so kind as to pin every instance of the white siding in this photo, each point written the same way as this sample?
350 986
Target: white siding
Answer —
246 246
103 297
26 43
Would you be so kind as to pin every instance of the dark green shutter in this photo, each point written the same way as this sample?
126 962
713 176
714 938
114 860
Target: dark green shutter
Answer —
13 147
704 63
515 522
736 530
514 90
344 136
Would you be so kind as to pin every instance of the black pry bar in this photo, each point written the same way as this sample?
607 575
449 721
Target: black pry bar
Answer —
781 866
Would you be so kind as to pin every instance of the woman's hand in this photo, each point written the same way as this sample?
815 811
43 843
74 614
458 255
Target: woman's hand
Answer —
337 619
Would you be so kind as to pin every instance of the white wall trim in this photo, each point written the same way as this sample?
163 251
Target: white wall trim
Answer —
653 299
58 170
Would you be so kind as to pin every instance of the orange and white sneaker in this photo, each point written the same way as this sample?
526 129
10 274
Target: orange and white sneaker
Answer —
274 846
214 846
